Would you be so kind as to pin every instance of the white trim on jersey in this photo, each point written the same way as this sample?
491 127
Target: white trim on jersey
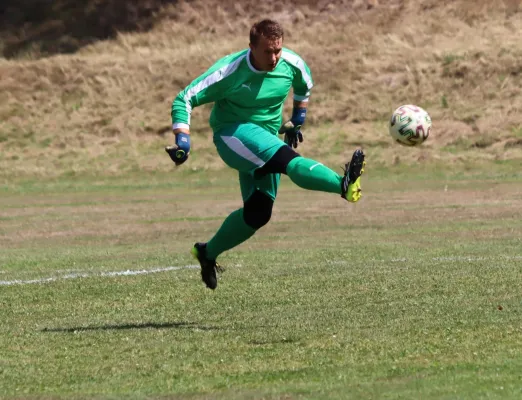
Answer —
214 77
180 125
302 99
298 62
240 149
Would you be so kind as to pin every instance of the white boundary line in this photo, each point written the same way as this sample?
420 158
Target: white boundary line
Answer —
94 274
129 272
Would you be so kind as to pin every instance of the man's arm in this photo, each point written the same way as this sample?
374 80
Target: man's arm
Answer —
181 112
207 88
302 83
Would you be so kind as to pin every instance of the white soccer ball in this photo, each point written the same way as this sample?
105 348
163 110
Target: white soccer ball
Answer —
410 125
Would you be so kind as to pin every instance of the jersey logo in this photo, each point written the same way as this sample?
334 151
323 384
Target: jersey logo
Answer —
244 85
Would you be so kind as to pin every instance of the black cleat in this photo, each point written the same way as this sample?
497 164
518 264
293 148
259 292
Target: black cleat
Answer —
351 183
208 267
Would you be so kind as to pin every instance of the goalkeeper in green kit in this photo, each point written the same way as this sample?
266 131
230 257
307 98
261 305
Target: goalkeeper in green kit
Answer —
248 90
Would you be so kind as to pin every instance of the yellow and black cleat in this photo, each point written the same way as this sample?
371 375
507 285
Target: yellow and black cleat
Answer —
351 184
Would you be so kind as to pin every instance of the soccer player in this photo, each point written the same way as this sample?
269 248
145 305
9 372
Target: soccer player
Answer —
248 89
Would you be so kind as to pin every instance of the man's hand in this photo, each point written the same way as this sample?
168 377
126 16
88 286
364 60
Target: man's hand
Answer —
179 153
293 134
292 128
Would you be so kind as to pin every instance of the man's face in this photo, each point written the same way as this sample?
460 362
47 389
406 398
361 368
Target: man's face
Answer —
267 53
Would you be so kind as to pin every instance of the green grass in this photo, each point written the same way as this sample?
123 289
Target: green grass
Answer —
412 293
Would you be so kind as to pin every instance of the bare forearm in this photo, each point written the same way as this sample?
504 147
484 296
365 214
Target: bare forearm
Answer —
300 104
181 130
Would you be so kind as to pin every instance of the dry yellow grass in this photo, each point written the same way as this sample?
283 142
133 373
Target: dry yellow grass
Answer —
106 109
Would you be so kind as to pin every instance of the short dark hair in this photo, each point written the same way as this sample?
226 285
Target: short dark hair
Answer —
268 28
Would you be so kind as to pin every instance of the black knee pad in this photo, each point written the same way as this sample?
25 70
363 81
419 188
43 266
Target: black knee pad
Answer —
257 210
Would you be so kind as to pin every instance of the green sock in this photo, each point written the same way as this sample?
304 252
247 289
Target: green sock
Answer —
313 175
233 231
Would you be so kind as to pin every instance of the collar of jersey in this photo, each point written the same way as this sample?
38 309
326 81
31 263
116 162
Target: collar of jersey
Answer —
252 68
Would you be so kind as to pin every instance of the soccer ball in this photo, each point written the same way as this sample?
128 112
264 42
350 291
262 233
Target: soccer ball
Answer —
410 125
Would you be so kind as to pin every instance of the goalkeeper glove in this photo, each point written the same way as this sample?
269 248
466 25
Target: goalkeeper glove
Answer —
292 128
180 151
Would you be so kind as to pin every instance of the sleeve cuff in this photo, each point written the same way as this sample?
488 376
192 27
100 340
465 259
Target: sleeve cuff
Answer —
301 98
182 125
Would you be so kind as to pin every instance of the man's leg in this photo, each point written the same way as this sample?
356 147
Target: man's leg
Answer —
241 225
261 157
243 147
258 198
259 191
312 175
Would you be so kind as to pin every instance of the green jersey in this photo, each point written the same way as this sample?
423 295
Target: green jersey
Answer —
242 94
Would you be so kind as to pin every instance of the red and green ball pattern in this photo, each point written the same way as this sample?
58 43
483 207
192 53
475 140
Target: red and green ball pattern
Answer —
410 125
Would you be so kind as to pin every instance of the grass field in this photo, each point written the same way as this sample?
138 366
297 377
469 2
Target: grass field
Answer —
414 293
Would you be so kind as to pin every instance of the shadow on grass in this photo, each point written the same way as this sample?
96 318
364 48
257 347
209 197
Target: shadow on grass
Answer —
146 325
272 342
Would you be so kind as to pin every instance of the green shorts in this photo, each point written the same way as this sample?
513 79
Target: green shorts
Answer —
247 147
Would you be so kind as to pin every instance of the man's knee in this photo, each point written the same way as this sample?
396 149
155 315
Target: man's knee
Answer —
257 210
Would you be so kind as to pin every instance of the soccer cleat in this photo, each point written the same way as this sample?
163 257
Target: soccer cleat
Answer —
351 183
208 267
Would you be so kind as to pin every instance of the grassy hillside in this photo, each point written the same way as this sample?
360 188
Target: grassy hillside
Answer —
105 109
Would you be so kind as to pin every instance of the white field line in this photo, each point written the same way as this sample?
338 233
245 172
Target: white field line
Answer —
77 275
434 259
94 274
459 258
